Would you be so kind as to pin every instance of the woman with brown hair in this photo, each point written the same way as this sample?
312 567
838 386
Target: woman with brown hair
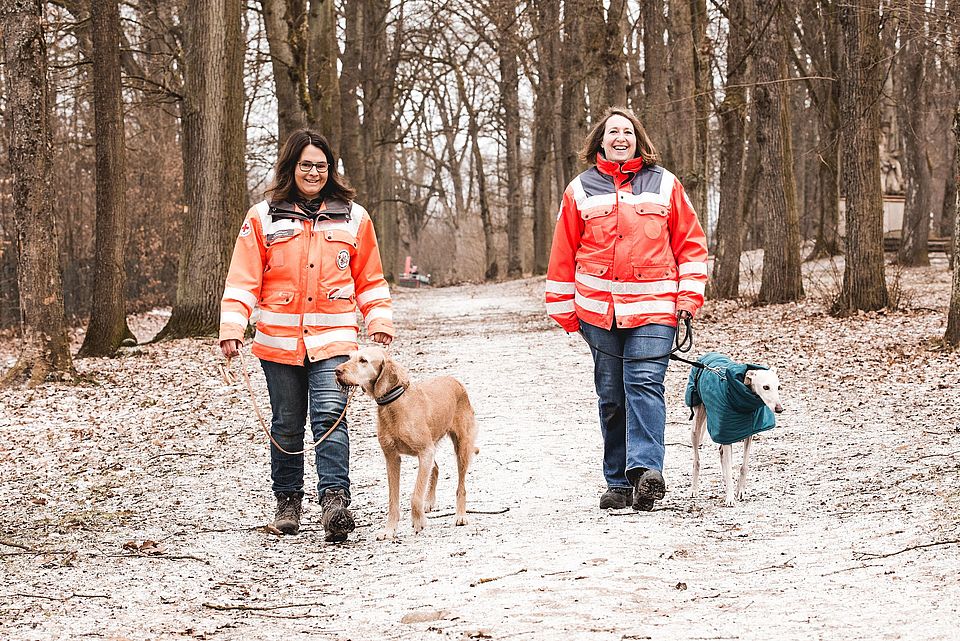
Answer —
629 259
305 260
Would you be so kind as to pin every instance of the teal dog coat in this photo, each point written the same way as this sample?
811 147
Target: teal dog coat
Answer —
734 412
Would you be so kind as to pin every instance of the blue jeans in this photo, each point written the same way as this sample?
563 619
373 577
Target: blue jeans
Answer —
633 412
293 390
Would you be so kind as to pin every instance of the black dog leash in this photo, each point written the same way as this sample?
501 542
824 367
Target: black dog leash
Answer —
683 343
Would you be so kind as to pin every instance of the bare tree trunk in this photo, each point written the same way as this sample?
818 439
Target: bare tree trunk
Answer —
547 21
352 141
781 278
952 334
509 93
678 134
613 60
949 228
592 37
655 60
821 43
322 69
864 285
213 142
827 235
725 282
378 67
45 347
572 124
913 93
286 25
703 90
492 269
108 320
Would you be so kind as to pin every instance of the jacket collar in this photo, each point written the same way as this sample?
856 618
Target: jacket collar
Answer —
332 209
620 171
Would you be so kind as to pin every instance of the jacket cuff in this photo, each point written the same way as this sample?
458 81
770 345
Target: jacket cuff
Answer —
571 324
689 306
230 331
379 325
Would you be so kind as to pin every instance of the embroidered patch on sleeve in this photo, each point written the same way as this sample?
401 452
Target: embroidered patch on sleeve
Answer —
246 229
343 259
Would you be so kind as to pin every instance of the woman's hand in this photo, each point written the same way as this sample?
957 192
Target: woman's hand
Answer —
230 347
383 339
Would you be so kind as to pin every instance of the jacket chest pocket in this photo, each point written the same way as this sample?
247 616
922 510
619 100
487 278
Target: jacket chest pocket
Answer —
598 222
339 248
277 241
651 220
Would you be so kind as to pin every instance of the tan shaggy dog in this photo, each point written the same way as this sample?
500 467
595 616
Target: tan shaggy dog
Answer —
411 420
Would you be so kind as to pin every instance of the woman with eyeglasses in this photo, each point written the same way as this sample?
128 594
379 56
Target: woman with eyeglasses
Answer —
305 260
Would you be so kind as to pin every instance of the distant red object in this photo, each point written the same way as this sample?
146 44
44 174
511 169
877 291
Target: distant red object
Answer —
411 276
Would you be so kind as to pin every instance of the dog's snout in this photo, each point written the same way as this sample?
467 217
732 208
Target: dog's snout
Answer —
778 408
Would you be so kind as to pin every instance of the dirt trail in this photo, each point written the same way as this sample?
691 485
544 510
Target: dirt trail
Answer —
850 529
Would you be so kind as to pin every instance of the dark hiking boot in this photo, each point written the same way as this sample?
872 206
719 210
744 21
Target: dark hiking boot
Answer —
616 498
647 488
336 518
289 509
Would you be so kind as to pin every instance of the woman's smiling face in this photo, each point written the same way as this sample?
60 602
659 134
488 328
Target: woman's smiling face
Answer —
619 139
309 183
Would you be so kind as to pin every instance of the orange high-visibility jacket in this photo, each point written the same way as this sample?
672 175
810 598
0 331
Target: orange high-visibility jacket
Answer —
305 279
627 245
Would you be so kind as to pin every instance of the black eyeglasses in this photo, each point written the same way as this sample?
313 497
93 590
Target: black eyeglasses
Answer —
307 167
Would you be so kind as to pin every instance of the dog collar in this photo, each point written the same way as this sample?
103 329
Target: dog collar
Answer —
392 395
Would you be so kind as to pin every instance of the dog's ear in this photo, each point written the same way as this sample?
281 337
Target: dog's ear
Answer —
389 377
748 377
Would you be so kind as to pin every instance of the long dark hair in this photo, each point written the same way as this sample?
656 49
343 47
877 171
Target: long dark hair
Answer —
284 186
593 143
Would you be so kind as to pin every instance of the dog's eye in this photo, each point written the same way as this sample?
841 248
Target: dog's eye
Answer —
766 387
362 359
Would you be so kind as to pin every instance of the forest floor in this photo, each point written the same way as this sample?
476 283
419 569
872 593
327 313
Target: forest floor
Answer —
133 505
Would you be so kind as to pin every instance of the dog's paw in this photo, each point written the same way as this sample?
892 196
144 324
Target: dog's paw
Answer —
729 501
387 534
460 520
428 506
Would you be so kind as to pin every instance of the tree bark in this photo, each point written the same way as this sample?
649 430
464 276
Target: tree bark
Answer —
547 28
703 90
821 43
572 123
725 282
286 25
655 61
379 57
952 334
351 142
613 61
108 321
214 166
45 347
510 105
781 279
592 36
492 268
864 286
322 71
678 133
913 93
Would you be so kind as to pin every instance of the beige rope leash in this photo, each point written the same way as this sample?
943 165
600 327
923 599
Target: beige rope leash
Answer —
229 380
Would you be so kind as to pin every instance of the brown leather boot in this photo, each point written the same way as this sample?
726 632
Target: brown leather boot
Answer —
289 509
336 518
